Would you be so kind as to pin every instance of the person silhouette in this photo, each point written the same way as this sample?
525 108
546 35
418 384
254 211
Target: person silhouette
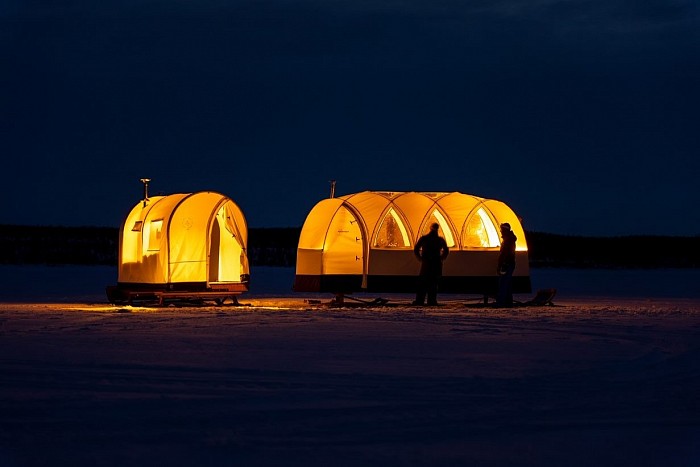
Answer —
506 266
431 250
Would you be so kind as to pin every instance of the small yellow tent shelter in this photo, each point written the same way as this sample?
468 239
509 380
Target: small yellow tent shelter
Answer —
364 242
186 245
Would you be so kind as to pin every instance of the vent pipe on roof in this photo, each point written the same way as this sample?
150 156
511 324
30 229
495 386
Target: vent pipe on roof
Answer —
332 182
145 190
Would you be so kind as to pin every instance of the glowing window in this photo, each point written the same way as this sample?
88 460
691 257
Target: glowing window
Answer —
481 232
392 233
445 231
154 235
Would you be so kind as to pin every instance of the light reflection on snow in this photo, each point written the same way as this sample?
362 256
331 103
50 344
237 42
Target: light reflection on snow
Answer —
271 287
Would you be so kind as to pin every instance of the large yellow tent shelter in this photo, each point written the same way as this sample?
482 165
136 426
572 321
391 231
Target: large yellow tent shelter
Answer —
364 242
186 245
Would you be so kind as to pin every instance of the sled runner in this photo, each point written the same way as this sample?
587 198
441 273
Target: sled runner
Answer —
161 297
542 298
339 300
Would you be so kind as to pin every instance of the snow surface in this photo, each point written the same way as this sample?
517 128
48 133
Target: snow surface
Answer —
609 376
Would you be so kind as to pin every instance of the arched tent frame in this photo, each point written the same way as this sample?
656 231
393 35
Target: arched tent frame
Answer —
183 245
386 262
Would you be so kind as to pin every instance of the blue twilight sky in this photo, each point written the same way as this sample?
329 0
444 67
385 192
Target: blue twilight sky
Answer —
582 115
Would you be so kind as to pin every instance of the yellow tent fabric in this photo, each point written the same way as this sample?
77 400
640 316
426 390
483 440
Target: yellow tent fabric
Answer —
364 241
184 238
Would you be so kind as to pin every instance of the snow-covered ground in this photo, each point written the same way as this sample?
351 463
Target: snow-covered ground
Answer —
610 376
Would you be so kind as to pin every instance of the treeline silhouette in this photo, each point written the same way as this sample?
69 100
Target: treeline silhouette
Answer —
54 245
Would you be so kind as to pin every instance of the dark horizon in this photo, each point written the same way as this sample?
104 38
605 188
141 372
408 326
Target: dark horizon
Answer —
270 246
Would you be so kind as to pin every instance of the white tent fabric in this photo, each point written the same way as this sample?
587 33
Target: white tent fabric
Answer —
184 239
365 241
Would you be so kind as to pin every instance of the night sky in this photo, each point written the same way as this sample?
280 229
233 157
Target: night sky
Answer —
582 115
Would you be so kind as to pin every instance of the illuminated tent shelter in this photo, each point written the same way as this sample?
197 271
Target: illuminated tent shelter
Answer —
364 242
182 246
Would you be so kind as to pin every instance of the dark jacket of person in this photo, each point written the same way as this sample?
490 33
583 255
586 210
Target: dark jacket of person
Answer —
431 249
507 256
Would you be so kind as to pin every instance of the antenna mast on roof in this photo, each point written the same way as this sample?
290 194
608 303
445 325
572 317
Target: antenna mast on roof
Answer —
145 190
332 182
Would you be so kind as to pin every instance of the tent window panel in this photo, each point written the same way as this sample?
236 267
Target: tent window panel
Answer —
392 232
138 225
481 232
154 235
445 231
